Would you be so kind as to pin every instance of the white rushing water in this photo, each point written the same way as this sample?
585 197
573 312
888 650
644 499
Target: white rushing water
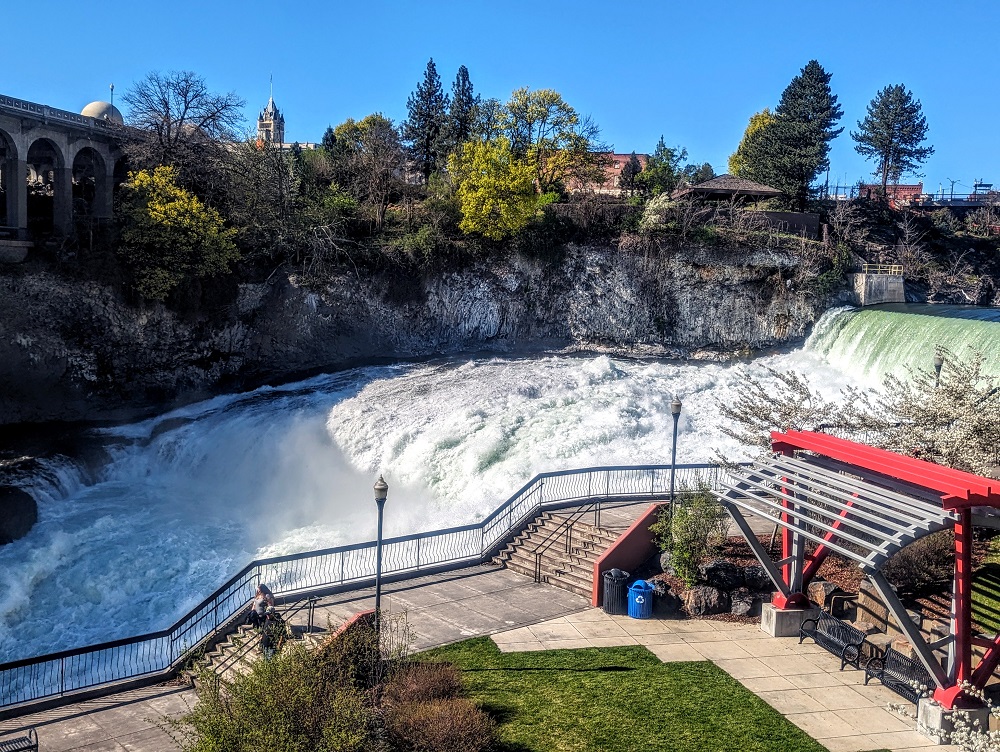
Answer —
192 496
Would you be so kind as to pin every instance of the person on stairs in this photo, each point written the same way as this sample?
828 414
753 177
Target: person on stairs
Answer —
262 600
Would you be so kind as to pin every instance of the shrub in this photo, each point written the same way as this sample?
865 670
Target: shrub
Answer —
423 681
277 706
925 562
452 725
697 530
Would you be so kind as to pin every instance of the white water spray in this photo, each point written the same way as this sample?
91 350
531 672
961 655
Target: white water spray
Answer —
192 496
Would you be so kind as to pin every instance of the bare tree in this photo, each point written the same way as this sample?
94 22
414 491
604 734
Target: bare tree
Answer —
175 120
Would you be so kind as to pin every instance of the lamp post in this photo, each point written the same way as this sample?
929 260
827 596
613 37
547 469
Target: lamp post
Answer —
381 492
938 362
675 410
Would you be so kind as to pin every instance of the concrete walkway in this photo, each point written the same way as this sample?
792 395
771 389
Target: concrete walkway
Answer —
438 609
802 682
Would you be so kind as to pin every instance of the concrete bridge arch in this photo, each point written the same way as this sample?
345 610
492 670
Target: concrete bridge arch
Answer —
55 166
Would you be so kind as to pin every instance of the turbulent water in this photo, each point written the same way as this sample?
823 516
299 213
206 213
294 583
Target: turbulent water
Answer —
192 496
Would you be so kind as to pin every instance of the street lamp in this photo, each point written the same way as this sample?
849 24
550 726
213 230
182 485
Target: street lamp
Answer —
938 362
675 410
381 492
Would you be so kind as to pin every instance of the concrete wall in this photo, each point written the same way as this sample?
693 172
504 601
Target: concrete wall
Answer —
872 289
631 549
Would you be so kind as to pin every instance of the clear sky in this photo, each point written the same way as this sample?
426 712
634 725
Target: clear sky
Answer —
693 72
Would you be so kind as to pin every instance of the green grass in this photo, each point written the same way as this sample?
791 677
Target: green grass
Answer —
622 699
986 591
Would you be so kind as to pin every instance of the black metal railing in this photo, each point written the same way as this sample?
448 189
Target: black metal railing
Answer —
152 656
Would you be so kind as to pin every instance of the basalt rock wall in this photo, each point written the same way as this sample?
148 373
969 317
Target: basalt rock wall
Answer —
73 350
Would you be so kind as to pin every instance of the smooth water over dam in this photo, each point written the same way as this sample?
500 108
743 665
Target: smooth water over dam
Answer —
191 496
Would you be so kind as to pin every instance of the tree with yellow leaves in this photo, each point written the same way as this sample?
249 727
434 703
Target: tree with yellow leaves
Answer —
738 159
495 189
169 235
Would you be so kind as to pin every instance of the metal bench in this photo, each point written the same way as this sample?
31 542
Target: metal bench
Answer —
904 676
837 636
25 741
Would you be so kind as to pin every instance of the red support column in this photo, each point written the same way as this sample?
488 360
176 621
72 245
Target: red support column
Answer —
963 596
962 623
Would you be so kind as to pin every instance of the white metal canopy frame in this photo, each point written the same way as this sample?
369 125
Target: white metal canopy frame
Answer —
865 504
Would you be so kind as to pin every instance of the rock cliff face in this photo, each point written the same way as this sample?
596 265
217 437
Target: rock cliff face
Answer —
76 351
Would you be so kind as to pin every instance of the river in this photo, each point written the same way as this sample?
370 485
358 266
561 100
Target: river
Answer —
189 497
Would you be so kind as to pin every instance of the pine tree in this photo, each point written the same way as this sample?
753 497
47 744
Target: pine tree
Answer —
461 114
631 170
424 127
892 133
663 169
789 153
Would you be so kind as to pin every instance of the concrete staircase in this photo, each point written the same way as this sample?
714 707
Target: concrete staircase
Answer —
572 570
239 650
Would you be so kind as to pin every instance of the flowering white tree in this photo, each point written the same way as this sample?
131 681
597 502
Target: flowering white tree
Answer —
952 419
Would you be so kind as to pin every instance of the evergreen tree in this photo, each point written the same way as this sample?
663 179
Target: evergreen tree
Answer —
695 174
424 127
631 170
329 142
892 133
663 169
462 112
790 152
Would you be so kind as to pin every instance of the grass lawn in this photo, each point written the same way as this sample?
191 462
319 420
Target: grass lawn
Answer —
617 700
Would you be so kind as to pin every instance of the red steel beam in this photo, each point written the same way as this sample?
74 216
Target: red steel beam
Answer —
945 480
821 552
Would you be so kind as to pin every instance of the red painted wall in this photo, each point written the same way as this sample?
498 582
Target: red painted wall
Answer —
631 549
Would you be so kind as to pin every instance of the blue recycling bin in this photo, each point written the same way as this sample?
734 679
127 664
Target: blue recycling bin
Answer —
640 600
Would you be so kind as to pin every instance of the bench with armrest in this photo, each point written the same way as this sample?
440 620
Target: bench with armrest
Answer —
20 741
837 636
904 676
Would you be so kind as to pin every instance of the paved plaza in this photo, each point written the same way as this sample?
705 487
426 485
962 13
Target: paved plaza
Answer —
800 681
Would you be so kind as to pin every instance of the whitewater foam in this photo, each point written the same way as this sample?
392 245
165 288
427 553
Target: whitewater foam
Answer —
193 495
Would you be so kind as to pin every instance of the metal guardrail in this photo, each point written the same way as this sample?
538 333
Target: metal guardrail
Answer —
152 656
896 269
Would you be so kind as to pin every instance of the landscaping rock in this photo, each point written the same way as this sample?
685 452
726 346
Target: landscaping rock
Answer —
704 600
866 626
721 574
665 603
744 603
18 513
666 564
756 579
821 591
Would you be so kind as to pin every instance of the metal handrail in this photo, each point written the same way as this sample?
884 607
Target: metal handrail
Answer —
894 269
157 654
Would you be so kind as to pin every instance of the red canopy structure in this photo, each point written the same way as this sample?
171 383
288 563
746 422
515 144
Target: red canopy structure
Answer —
865 504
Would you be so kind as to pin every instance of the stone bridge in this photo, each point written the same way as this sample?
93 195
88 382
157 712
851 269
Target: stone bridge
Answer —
56 167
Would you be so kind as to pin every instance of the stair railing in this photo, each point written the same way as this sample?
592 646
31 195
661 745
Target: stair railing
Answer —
149 658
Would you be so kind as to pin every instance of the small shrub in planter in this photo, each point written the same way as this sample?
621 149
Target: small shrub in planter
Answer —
697 530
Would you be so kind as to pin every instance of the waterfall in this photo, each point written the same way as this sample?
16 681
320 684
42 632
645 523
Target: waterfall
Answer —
191 496
870 343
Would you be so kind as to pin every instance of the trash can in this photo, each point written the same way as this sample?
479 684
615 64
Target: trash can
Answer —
640 600
615 592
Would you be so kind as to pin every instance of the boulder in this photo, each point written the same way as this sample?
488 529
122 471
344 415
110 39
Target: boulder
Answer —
18 513
665 603
820 592
756 579
721 574
744 603
666 564
704 600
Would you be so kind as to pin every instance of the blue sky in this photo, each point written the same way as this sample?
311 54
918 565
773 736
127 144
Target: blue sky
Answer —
693 72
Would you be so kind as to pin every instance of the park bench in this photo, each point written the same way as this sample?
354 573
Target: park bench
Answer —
22 741
902 675
837 636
